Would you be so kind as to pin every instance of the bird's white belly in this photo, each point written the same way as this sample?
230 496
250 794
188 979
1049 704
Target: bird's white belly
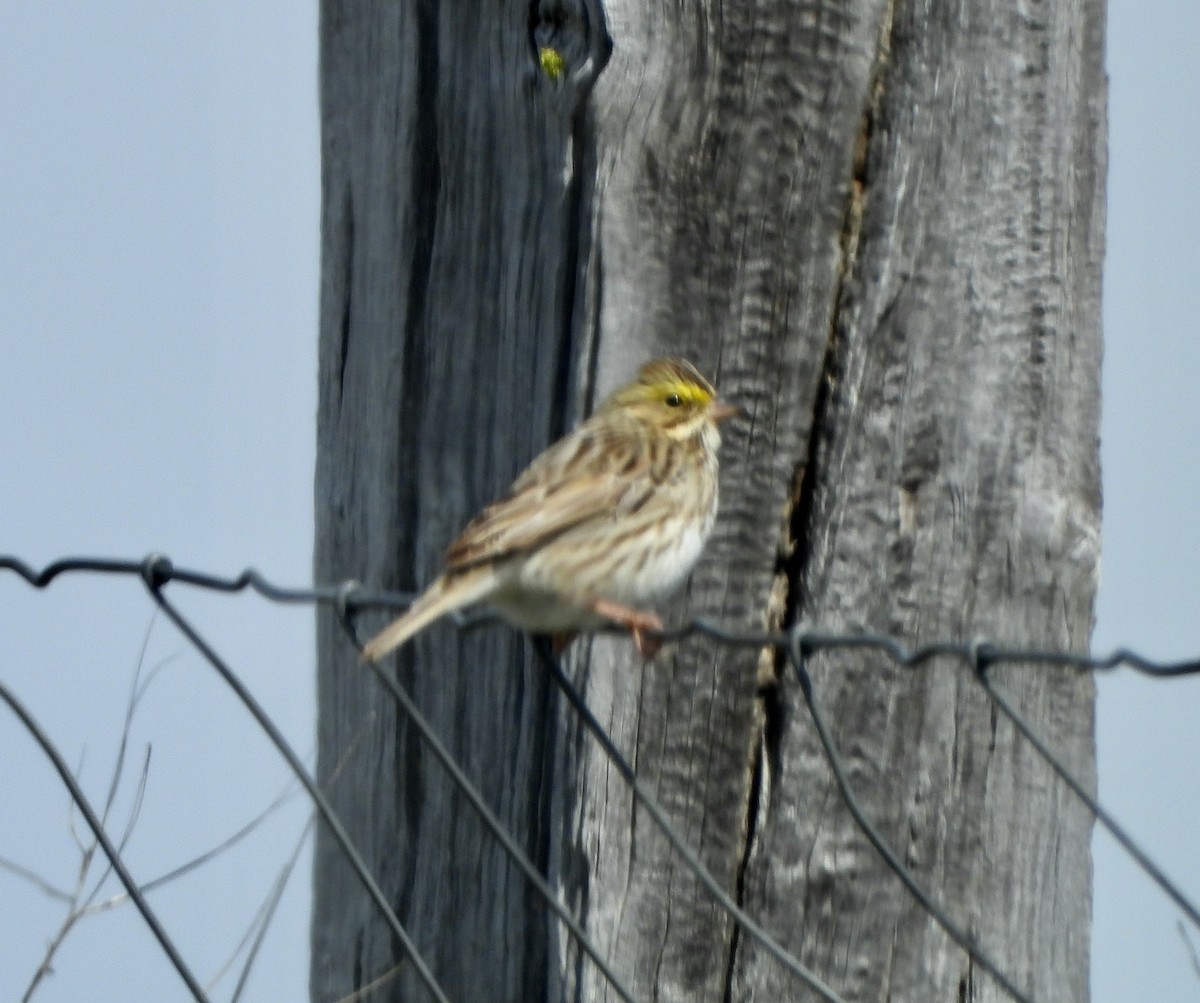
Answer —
662 572
550 590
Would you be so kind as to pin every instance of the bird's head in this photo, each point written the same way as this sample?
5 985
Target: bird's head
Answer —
671 396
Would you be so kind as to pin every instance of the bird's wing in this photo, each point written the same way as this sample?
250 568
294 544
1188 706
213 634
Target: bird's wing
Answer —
585 476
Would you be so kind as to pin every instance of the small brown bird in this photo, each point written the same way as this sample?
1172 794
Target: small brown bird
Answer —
605 521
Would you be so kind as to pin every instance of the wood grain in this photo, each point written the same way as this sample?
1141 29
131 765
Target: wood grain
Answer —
448 236
880 229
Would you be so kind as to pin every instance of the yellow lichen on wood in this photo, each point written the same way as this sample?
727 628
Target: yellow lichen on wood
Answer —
552 62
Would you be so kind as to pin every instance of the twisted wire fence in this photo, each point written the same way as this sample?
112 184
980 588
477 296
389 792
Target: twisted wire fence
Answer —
798 645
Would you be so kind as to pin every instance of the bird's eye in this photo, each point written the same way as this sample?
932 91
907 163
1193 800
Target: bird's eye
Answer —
674 400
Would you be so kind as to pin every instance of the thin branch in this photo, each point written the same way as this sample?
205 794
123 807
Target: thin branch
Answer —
226 844
258 927
370 987
134 813
50 750
1191 948
35 879
270 907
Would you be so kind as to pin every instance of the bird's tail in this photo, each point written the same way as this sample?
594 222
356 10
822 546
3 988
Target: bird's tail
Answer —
443 596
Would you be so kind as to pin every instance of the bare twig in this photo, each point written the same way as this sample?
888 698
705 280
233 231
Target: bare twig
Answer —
1191 948
81 902
93 820
34 879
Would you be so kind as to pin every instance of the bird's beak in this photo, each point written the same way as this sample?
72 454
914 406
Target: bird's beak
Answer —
719 411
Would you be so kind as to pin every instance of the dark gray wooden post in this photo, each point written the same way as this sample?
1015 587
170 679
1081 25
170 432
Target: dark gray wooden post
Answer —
450 230
880 229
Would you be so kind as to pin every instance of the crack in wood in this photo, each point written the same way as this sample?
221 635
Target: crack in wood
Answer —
795 545
347 291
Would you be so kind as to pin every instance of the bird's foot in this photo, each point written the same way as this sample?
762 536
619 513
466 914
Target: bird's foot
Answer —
636 621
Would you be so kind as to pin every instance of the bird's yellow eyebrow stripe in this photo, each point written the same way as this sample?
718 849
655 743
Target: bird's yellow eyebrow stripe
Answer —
689 392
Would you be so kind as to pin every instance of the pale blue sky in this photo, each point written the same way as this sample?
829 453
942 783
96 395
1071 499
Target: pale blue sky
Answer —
159 187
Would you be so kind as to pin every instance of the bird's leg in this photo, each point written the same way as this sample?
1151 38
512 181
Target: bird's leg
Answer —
635 620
